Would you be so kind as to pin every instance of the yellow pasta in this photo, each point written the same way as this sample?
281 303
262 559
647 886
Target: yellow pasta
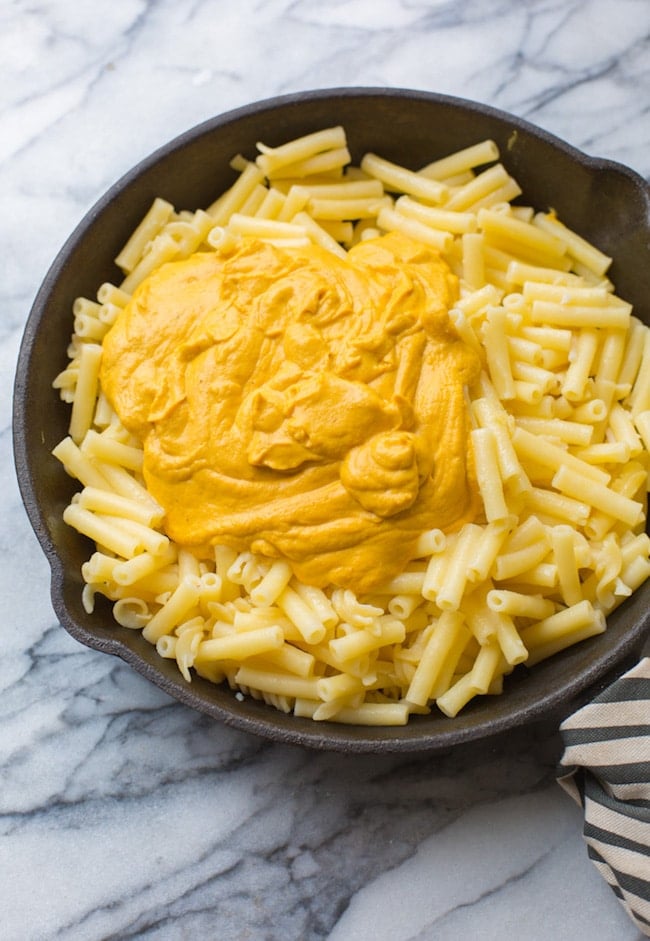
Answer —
318 234
108 293
578 247
236 196
458 570
571 432
551 456
78 465
481 185
442 636
517 604
398 179
473 255
359 643
105 501
521 238
569 482
242 645
106 448
457 696
162 249
490 414
302 616
278 683
640 392
391 220
86 390
446 220
273 584
105 530
272 159
138 567
515 563
468 158
489 479
132 613
609 316
497 353
560 435
563 545
345 209
151 225
557 505
172 613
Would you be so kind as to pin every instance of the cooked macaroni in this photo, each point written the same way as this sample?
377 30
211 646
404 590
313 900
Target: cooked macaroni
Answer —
561 431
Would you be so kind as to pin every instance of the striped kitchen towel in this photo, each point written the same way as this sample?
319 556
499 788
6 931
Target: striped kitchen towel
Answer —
606 769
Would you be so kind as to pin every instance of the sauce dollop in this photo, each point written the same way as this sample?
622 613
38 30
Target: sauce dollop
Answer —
300 405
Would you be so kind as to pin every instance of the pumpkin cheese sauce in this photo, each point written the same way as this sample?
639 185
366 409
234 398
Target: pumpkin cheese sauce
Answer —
300 405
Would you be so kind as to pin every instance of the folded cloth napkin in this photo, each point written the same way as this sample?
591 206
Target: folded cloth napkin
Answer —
605 767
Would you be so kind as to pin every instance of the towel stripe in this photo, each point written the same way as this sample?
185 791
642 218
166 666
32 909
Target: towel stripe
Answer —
606 769
597 835
628 860
609 731
628 687
636 905
603 810
625 751
602 714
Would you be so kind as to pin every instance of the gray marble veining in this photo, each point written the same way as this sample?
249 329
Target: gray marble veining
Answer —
123 814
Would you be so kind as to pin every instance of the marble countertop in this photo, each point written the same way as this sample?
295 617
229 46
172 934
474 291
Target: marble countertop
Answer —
123 813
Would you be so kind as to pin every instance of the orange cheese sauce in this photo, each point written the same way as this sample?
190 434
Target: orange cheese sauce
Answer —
300 405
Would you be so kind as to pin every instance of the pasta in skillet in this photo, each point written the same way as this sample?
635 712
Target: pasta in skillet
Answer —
558 430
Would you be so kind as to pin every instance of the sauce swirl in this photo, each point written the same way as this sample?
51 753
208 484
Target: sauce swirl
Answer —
300 405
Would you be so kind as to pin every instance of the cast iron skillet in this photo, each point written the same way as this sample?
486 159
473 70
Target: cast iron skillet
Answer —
605 202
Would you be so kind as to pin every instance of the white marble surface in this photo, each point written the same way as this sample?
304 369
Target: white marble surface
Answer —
122 813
